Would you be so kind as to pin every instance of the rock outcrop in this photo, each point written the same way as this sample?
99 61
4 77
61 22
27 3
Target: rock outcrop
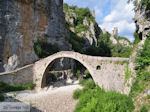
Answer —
56 31
22 22
116 39
82 22
142 19
17 32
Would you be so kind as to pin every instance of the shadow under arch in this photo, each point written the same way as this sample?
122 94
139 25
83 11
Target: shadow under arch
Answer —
50 67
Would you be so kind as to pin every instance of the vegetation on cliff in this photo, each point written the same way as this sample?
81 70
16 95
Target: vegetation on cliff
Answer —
146 4
44 49
142 83
79 22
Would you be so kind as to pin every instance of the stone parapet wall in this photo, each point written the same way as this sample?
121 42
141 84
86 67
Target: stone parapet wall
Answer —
20 76
107 72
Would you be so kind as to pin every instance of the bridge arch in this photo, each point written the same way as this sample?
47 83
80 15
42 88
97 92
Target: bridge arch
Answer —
108 73
42 65
46 75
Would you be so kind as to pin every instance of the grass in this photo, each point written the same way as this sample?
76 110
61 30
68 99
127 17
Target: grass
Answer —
144 108
94 99
18 87
127 72
142 81
142 75
10 88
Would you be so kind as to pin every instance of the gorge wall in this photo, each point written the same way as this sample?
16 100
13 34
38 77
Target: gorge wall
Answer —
22 23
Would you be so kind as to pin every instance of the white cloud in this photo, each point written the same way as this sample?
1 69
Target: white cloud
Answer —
123 26
121 17
111 13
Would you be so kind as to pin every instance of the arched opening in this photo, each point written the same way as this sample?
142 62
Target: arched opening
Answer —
98 67
54 77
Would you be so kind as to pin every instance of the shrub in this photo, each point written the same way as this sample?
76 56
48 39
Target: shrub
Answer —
146 4
143 76
142 80
76 42
93 99
87 75
18 87
102 48
144 109
137 38
77 93
89 83
44 49
121 51
1 97
143 59
82 13
80 28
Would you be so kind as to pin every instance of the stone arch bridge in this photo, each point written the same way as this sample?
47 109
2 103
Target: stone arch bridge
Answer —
107 72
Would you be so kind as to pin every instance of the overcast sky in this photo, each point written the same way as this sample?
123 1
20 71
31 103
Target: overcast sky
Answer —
111 13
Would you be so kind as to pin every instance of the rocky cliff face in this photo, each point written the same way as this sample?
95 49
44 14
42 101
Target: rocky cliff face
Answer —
17 45
22 22
81 21
142 19
56 31
116 39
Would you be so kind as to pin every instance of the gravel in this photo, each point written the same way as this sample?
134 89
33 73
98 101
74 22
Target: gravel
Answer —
51 100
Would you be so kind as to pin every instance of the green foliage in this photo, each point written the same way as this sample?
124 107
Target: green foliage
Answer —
146 4
122 38
142 81
93 99
104 45
127 72
102 48
87 75
108 49
144 59
143 76
121 51
88 83
18 87
80 28
76 42
1 97
136 38
77 93
82 13
44 49
144 109
65 7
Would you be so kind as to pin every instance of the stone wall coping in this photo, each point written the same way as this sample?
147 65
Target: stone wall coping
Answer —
18 69
63 53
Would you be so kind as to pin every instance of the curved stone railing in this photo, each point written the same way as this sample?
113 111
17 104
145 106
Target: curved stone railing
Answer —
18 76
14 71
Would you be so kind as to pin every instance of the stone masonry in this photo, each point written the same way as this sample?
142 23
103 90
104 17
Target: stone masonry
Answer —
108 73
